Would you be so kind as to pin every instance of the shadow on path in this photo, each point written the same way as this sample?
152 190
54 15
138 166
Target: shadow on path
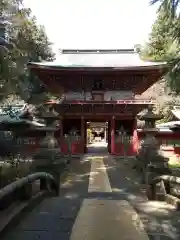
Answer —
160 220
54 218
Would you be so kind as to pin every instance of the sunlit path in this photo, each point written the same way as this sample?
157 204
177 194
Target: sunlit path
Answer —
98 144
105 218
97 147
98 179
100 199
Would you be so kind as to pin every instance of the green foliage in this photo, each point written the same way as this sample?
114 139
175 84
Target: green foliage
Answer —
173 76
161 45
165 109
169 6
30 43
164 46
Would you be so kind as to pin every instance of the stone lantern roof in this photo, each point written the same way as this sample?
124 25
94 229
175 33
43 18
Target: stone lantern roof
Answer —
48 112
150 115
150 118
17 115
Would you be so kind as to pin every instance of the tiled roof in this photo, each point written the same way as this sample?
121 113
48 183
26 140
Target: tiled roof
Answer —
14 115
176 113
168 124
122 58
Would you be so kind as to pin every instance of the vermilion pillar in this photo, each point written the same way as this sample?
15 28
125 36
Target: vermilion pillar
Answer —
135 141
113 135
83 135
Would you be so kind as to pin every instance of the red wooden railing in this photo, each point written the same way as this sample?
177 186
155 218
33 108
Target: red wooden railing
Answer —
127 101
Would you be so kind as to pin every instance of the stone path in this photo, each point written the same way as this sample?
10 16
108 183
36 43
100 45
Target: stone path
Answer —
159 219
97 202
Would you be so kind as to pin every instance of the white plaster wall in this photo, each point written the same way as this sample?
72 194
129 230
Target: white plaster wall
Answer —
109 95
74 95
118 95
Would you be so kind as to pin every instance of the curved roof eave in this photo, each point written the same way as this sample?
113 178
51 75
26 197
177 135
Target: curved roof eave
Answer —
52 66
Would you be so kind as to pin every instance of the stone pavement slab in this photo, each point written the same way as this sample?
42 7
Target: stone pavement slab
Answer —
38 235
53 217
107 219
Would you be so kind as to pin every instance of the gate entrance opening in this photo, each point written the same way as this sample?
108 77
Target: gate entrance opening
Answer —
115 136
96 137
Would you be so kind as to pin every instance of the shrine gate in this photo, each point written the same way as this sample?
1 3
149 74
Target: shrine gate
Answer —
99 85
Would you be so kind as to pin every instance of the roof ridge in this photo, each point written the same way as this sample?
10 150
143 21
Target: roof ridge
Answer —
97 51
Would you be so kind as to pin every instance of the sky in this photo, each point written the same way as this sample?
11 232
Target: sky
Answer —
94 23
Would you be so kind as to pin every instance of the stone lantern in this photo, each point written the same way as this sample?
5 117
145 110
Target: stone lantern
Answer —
150 119
49 156
151 160
49 151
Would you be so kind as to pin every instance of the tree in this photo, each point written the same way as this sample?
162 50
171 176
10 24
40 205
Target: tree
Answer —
170 7
171 10
161 45
30 44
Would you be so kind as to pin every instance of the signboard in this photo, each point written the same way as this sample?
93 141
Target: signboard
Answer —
118 95
26 141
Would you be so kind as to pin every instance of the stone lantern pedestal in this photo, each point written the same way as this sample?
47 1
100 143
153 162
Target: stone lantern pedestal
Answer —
151 161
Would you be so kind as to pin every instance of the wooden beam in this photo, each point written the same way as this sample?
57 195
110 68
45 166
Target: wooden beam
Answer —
133 78
98 117
98 114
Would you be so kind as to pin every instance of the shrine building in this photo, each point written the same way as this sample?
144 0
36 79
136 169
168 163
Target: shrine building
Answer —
99 86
